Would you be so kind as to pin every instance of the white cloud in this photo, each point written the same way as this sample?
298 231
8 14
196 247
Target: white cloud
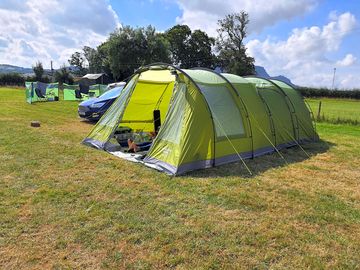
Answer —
348 60
204 14
303 57
45 30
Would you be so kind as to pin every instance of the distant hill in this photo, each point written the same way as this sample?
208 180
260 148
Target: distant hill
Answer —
14 69
284 79
261 72
5 68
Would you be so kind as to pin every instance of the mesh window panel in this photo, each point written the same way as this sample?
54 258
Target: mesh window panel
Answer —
52 89
108 122
29 92
228 121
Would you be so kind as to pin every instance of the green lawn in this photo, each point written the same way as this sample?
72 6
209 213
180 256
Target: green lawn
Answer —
64 205
336 109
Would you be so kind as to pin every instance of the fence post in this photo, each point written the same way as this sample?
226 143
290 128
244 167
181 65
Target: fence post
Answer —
319 111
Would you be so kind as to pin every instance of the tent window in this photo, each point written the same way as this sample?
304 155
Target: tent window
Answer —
227 117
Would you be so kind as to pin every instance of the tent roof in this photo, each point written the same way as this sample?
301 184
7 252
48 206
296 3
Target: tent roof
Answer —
204 76
282 84
235 78
261 82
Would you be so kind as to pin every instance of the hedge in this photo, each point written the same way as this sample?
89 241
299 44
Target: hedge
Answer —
17 79
325 92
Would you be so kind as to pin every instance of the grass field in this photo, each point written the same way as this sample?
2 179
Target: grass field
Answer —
336 110
64 205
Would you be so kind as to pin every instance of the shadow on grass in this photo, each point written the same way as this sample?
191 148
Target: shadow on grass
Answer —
264 163
88 122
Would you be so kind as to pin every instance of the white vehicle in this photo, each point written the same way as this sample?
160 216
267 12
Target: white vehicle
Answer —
115 84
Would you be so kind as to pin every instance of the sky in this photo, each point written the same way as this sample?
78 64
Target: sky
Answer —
304 40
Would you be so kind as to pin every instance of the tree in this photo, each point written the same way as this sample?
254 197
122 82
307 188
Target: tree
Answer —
78 60
128 48
63 75
200 46
232 52
104 62
190 49
178 37
38 70
156 47
11 79
93 59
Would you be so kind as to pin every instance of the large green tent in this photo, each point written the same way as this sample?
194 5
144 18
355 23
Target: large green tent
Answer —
208 119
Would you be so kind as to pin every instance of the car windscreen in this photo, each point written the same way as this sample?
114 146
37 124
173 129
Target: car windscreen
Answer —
113 93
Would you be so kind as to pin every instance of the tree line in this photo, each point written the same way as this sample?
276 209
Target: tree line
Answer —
128 48
16 79
64 76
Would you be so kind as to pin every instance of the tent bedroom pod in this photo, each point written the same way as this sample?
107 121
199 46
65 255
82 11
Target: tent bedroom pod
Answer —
208 119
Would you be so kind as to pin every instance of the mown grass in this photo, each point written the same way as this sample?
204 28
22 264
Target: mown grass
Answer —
64 205
337 111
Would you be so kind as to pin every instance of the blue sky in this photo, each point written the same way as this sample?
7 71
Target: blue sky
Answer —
161 14
301 39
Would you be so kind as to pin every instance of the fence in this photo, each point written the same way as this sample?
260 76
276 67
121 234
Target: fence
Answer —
337 111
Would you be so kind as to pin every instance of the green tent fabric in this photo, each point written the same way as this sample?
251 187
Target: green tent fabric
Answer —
38 91
208 119
69 92
94 91
97 90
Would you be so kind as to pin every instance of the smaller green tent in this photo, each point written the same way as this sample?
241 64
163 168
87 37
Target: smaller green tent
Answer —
38 91
73 92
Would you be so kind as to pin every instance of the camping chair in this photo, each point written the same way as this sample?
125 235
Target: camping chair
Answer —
40 95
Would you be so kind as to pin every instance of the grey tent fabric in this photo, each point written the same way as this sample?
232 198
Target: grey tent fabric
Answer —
40 89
